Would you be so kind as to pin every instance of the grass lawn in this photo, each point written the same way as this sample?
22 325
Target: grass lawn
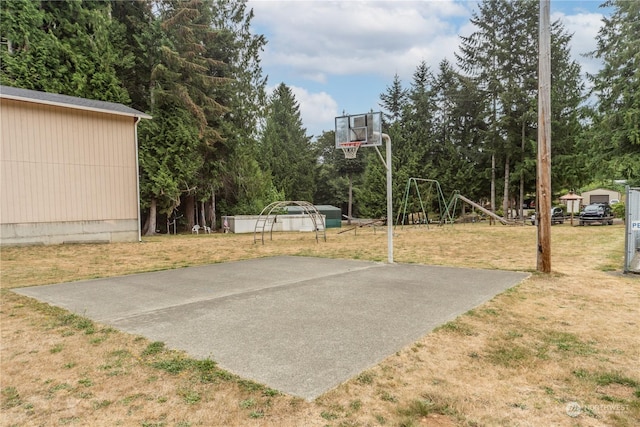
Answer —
561 349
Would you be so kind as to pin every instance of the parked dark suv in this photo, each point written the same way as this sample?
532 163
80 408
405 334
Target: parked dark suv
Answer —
597 212
557 216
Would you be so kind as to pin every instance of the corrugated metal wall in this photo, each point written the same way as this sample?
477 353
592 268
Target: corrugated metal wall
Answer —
60 164
632 238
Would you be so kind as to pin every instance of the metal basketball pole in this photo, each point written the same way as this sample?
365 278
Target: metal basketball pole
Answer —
366 130
387 165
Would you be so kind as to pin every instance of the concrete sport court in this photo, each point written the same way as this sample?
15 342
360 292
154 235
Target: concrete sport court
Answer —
300 325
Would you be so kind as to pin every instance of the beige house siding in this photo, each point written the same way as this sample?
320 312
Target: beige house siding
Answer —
599 195
72 169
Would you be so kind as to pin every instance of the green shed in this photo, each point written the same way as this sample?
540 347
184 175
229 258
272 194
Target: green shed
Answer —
332 214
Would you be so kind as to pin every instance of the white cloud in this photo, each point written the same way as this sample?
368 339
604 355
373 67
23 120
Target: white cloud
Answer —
316 109
325 43
315 40
320 38
584 27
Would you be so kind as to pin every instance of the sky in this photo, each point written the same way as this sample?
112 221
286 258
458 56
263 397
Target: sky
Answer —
339 56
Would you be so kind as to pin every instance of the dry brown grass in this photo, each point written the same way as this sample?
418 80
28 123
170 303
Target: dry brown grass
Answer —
571 336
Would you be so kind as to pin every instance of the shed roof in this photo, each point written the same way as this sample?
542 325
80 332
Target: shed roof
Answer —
58 100
601 191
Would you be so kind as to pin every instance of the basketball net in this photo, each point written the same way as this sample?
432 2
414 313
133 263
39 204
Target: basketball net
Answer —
350 149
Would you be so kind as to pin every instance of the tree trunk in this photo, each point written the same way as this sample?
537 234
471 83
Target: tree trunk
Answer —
493 183
505 196
150 224
189 211
203 218
522 147
493 154
521 201
214 220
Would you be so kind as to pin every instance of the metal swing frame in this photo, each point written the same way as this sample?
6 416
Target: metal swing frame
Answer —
442 203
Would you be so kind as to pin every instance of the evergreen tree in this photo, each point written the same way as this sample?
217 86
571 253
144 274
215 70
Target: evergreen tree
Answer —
419 124
413 140
66 47
614 144
468 161
184 85
334 173
568 161
457 134
393 101
479 58
169 161
232 168
186 75
139 39
25 47
371 195
501 57
286 150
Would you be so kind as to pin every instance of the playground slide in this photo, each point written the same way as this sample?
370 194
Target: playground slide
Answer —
486 211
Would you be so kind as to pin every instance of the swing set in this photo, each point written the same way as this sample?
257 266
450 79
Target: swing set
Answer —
446 209
422 214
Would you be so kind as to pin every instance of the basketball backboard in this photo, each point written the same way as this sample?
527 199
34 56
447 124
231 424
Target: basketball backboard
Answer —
365 129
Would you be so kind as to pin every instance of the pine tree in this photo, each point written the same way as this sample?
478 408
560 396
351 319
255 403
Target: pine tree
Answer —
412 133
615 140
502 59
63 47
185 86
25 46
419 124
139 38
169 161
186 75
232 168
567 116
371 195
457 133
335 173
286 151
393 101
479 58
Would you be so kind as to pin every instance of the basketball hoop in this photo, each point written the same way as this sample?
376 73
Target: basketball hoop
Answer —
350 149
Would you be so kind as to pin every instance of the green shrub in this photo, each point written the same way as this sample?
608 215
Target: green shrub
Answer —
618 210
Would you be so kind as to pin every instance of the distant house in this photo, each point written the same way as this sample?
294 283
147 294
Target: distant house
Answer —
600 195
68 169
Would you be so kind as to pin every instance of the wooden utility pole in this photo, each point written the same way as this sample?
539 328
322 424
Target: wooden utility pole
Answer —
543 184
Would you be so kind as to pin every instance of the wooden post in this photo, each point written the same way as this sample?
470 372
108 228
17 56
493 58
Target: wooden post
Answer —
543 184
